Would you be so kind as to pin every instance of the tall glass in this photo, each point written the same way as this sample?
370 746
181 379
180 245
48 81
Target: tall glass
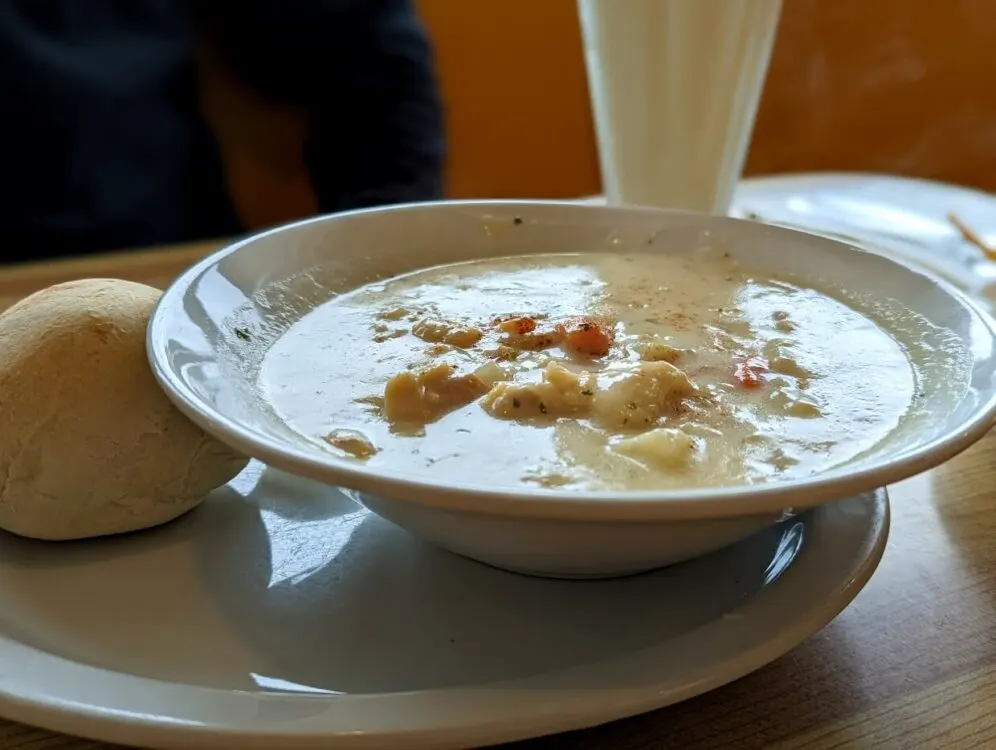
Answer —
675 86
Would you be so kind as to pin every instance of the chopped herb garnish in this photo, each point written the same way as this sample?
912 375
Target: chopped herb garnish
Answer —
243 333
587 393
517 220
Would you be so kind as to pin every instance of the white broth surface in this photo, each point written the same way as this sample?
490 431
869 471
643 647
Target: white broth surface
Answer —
592 371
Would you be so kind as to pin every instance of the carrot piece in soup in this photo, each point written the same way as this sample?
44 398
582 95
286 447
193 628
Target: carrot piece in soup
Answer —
586 336
749 372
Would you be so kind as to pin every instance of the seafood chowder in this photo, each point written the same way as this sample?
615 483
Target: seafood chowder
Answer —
593 372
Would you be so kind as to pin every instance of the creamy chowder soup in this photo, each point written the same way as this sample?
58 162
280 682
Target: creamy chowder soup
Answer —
594 371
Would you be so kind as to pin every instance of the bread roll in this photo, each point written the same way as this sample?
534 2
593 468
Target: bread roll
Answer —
89 444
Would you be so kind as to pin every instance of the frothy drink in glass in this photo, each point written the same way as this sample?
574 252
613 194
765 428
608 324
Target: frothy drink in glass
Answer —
675 86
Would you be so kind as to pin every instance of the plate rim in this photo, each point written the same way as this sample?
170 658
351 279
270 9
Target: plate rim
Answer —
103 722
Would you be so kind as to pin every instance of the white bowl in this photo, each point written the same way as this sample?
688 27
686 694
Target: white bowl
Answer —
194 354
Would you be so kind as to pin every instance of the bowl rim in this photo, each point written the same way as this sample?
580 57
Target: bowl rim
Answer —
694 503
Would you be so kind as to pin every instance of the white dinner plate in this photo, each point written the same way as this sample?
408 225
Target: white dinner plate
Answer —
282 615
900 217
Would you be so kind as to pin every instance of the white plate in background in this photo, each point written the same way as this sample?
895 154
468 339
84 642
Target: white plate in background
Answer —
902 217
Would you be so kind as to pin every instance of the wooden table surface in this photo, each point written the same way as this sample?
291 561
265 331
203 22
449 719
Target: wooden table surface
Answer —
910 664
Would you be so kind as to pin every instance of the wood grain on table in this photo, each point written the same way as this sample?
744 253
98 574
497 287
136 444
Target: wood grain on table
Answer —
910 664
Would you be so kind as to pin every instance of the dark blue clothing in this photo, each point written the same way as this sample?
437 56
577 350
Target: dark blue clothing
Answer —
103 146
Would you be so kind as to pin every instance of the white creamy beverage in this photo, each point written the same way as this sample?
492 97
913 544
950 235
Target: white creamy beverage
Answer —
675 86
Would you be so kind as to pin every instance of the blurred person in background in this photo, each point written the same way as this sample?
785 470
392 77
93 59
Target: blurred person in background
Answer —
104 140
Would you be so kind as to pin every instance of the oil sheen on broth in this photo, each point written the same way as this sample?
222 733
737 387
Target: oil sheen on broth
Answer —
595 371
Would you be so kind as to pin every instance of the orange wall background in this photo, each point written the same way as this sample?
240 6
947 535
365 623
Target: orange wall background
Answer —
517 97
899 86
